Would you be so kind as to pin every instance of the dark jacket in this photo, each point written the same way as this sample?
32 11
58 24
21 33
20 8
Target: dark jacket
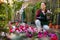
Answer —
43 18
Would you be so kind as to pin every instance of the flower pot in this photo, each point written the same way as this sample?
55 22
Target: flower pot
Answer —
50 25
53 26
56 26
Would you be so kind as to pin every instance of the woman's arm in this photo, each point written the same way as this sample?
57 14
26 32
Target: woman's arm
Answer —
38 13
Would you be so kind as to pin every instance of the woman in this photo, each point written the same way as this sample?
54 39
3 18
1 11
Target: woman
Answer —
41 17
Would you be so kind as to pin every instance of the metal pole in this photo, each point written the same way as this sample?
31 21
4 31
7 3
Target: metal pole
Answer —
58 10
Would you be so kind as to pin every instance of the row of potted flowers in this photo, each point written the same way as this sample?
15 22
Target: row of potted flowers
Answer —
31 31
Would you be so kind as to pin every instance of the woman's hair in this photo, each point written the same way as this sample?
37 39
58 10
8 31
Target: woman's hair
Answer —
44 3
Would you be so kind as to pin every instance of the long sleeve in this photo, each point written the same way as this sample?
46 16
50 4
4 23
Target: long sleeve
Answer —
37 13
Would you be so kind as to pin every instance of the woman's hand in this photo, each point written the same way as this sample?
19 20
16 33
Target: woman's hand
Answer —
48 17
40 17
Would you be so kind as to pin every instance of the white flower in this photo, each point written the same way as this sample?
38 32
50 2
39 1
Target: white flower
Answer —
13 27
2 34
13 30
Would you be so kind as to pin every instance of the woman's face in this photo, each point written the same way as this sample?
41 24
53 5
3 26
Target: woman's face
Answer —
43 6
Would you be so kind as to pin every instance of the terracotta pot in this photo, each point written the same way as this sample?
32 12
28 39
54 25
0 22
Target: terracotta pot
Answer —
59 26
56 26
50 25
53 26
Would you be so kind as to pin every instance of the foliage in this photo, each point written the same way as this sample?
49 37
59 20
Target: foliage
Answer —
2 13
35 7
6 12
31 9
17 5
56 12
3 16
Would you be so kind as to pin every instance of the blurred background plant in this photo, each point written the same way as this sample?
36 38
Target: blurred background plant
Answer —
30 11
6 12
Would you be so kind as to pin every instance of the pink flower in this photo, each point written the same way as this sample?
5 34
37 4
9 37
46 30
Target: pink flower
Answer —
35 29
54 37
29 34
17 23
17 29
12 30
20 30
30 29
45 33
27 26
40 34
21 27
